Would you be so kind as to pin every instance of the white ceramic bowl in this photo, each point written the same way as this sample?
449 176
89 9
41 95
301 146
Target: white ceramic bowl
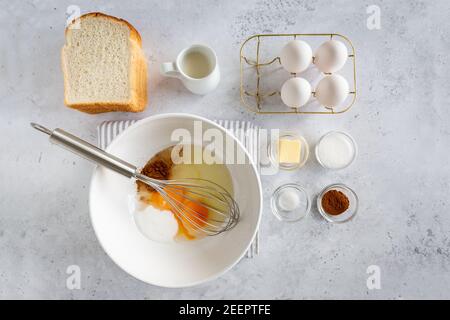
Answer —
168 265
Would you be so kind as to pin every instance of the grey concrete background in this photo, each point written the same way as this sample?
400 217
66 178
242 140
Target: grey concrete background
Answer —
401 122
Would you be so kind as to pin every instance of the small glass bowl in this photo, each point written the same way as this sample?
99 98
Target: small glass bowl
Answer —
350 139
273 151
291 215
346 215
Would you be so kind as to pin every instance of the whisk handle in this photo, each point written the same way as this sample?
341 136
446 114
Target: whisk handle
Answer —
89 151
92 153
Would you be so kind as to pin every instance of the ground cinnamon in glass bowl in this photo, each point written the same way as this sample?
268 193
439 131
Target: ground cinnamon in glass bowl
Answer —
337 203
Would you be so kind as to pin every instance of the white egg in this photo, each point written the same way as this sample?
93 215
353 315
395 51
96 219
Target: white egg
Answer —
295 92
332 90
296 56
331 56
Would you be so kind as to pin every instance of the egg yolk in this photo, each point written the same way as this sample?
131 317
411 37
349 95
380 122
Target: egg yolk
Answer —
194 215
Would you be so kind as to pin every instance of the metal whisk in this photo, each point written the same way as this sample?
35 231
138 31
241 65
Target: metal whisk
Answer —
201 205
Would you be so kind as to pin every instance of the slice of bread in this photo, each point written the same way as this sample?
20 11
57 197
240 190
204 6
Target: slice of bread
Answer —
103 65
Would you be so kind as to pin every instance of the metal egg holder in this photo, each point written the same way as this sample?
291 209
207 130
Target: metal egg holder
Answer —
259 106
257 100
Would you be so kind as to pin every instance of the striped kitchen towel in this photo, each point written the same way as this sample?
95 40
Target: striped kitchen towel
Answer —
246 132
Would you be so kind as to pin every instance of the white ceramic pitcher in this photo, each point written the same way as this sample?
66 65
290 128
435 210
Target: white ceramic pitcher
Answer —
197 67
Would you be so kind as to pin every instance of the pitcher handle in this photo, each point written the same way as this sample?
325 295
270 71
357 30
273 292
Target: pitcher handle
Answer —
169 69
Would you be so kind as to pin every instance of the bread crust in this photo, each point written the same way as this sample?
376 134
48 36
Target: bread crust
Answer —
138 75
138 81
134 34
